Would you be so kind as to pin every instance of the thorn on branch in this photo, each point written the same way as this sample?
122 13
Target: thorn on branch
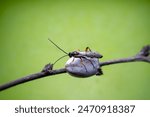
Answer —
145 51
144 54
47 67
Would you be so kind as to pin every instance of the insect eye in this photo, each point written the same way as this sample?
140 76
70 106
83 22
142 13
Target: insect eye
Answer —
75 53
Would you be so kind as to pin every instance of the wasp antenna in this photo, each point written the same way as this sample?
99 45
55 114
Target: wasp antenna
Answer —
57 46
59 59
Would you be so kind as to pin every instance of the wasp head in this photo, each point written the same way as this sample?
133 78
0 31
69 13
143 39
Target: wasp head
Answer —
74 53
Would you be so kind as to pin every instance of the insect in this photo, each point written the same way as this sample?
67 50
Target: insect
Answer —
82 63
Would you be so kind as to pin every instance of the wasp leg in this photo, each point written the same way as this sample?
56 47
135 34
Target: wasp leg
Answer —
89 61
99 72
83 64
87 49
86 59
73 60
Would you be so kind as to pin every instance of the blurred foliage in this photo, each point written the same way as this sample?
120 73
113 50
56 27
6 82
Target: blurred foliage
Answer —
114 29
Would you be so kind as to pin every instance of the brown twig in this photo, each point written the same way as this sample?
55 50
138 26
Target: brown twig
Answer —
143 55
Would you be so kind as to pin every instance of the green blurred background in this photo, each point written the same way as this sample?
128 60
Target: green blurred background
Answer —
114 29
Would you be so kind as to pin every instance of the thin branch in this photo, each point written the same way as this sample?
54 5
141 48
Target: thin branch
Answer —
125 60
31 77
143 55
